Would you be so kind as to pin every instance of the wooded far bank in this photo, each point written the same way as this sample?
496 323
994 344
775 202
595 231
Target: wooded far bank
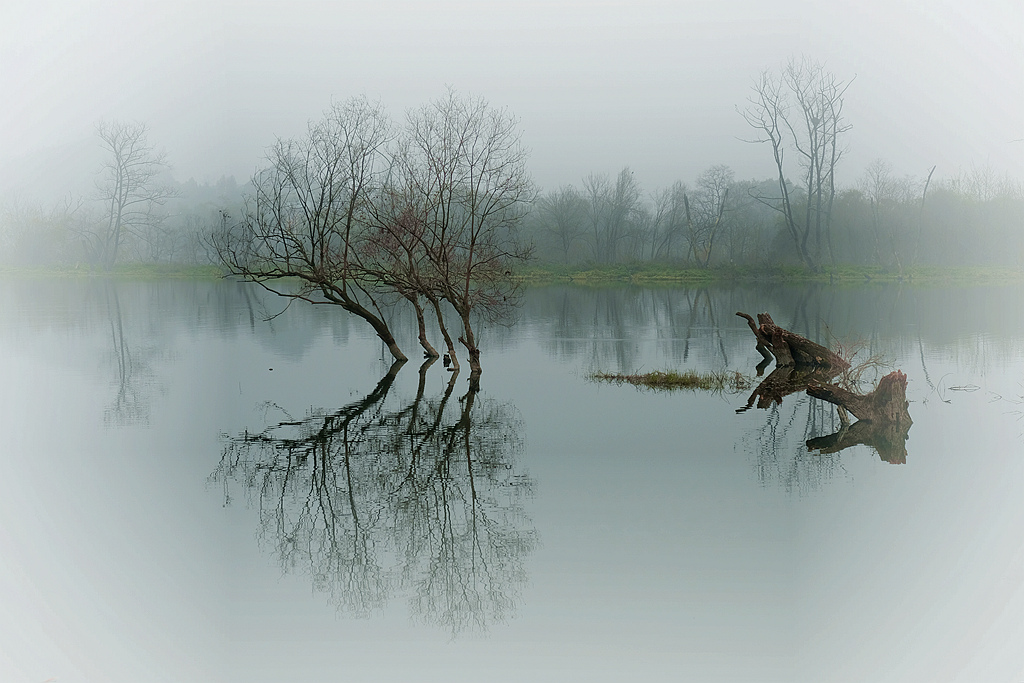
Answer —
815 212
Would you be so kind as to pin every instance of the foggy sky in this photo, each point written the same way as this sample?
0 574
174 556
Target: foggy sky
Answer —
598 85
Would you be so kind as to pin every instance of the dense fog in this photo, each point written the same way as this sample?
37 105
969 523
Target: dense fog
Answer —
631 112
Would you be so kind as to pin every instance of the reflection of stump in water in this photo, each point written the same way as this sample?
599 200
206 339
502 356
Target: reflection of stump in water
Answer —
890 441
886 404
784 381
883 418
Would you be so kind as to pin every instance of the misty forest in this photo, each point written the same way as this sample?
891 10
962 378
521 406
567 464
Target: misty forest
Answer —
757 428
440 210
817 212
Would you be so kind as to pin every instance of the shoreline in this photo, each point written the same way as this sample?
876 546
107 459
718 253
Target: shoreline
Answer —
604 275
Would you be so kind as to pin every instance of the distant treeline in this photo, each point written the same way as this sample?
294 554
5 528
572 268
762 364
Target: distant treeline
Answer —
175 231
972 218
805 216
884 219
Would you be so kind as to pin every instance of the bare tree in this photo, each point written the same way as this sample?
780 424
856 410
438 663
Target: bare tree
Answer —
750 222
705 216
665 222
362 218
31 233
306 220
623 208
394 252
801 110
128 188
469 183
612 209
920 212
596 190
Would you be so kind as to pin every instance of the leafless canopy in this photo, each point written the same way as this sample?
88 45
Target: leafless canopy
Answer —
305 220
360 215
800 109
462 173
129 189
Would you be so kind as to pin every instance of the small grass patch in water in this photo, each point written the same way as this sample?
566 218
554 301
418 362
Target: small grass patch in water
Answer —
725 380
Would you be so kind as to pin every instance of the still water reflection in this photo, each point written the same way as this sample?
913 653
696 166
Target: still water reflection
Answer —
423 494
191 493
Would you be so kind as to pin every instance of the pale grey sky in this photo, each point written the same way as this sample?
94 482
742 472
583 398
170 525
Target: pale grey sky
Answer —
653 84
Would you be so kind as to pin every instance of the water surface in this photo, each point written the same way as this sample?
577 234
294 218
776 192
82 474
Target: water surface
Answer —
191 493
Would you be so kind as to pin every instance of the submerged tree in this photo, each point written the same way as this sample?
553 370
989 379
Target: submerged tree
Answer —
801 110
305 221
363 218
393 252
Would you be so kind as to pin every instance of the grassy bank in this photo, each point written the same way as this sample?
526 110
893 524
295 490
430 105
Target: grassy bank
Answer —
128 271
640 273
653 274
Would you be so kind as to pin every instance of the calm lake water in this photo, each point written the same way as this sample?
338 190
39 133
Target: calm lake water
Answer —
191 493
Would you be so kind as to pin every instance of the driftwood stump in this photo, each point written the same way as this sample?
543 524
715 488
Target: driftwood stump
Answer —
883 418
789 348
887 403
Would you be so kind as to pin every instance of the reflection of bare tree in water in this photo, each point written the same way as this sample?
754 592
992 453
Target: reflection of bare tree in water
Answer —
131 402
780 447
420 497
702 313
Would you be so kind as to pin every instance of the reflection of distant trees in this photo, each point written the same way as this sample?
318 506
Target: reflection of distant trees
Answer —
609 326
131 401
381 496
620 327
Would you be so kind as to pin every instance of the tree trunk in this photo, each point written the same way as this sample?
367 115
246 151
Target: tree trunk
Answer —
884 420
444 332
337 295
789 348
378 325
469 342
428 350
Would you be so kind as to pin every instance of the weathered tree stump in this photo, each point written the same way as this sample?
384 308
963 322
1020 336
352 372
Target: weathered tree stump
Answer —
883 418
886 404
789 348
883 415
